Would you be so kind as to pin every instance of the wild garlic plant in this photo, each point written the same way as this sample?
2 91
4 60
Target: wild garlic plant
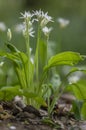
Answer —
34 82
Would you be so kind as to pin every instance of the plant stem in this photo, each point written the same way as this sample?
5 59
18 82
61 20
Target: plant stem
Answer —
28 52
47 49
37 56
47 54
57 94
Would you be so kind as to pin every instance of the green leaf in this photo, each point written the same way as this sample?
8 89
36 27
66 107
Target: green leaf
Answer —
84 111
9 92
42 52
64 58
21 77
28 74
29 94
13 89
79 89
40 101
23 57
12 57
77 106
37 100
11 47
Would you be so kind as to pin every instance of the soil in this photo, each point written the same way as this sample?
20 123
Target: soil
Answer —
15 116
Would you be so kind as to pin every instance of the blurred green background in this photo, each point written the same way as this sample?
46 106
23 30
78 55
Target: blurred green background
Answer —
72 37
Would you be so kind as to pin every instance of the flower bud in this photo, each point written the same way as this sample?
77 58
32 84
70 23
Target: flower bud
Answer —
9 34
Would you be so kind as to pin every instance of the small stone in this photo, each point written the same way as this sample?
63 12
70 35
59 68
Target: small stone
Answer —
12 127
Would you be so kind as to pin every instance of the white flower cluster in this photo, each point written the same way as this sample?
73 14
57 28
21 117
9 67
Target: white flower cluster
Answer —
42 18
2 26
63 22
26 15
27 23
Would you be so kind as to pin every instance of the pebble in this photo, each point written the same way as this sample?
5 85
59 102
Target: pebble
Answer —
12 128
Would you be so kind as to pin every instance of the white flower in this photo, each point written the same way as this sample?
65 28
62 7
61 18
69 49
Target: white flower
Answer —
26 15
63 22
27 24
38 14
30 32
47 17
46 30
1 64
45 21
2 26
43 18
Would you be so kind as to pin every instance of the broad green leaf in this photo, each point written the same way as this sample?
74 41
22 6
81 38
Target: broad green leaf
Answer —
12 57
64 58
79 89
9 92
14 89
29 94
75 69
15 56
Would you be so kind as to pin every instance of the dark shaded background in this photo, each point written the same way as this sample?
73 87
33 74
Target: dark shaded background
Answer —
71 38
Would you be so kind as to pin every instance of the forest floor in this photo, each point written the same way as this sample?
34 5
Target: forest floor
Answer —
14 117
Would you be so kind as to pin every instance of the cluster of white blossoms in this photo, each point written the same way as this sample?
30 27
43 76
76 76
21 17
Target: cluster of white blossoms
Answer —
26 15
63 22
27 24
42 18
2 26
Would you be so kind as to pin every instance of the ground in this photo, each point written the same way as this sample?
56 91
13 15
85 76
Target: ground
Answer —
15 117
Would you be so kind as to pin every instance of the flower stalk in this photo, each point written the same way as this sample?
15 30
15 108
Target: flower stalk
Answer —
27 32
28 51
37 55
